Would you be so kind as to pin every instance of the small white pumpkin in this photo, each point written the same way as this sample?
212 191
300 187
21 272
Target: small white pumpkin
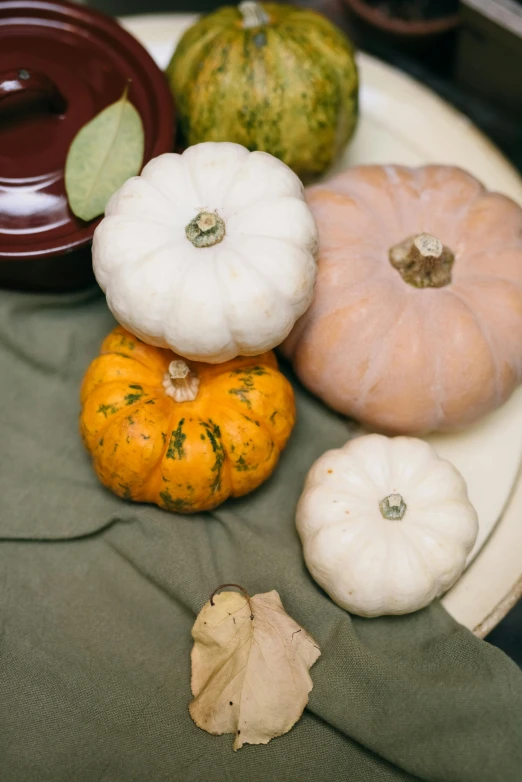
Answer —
386 525
210 253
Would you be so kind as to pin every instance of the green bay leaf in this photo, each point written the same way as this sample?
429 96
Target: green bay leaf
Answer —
105 152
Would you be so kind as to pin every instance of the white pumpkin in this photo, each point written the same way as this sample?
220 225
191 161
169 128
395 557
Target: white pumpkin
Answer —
386 525
210 253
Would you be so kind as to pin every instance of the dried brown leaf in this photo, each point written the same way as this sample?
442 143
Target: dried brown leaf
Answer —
250 668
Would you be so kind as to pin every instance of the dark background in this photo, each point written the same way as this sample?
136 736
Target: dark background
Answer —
438 65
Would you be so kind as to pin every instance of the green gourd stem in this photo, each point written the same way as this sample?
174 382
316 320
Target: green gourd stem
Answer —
206 229
393 507
423 261
253 14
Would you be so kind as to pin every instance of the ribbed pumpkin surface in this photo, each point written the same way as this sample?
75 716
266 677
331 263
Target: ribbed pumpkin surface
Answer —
288 87
185 456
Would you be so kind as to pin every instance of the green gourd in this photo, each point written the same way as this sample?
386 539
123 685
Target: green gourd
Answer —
271 77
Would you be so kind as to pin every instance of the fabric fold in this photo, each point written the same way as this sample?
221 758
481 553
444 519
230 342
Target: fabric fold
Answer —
98 597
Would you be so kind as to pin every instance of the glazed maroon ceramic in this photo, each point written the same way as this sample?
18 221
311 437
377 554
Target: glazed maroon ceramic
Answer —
60 64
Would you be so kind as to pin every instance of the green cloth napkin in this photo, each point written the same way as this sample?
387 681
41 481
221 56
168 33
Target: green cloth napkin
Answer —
98 597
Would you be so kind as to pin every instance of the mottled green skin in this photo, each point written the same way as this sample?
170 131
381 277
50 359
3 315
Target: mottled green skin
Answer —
289 87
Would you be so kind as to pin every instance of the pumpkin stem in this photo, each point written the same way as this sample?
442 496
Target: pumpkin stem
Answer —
206 229
253 13
423 261
393 507
180 382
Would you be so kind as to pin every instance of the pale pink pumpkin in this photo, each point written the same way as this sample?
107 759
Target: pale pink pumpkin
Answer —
398 357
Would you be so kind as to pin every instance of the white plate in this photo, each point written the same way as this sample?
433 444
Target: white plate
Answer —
404 122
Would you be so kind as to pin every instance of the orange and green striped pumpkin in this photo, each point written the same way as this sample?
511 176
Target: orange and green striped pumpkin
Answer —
271 77
178 433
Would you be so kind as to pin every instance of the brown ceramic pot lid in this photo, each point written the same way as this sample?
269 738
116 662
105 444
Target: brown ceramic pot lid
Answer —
60 64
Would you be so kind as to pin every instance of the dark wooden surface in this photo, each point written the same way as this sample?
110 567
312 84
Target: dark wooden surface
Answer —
489 56
504 128
505 13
